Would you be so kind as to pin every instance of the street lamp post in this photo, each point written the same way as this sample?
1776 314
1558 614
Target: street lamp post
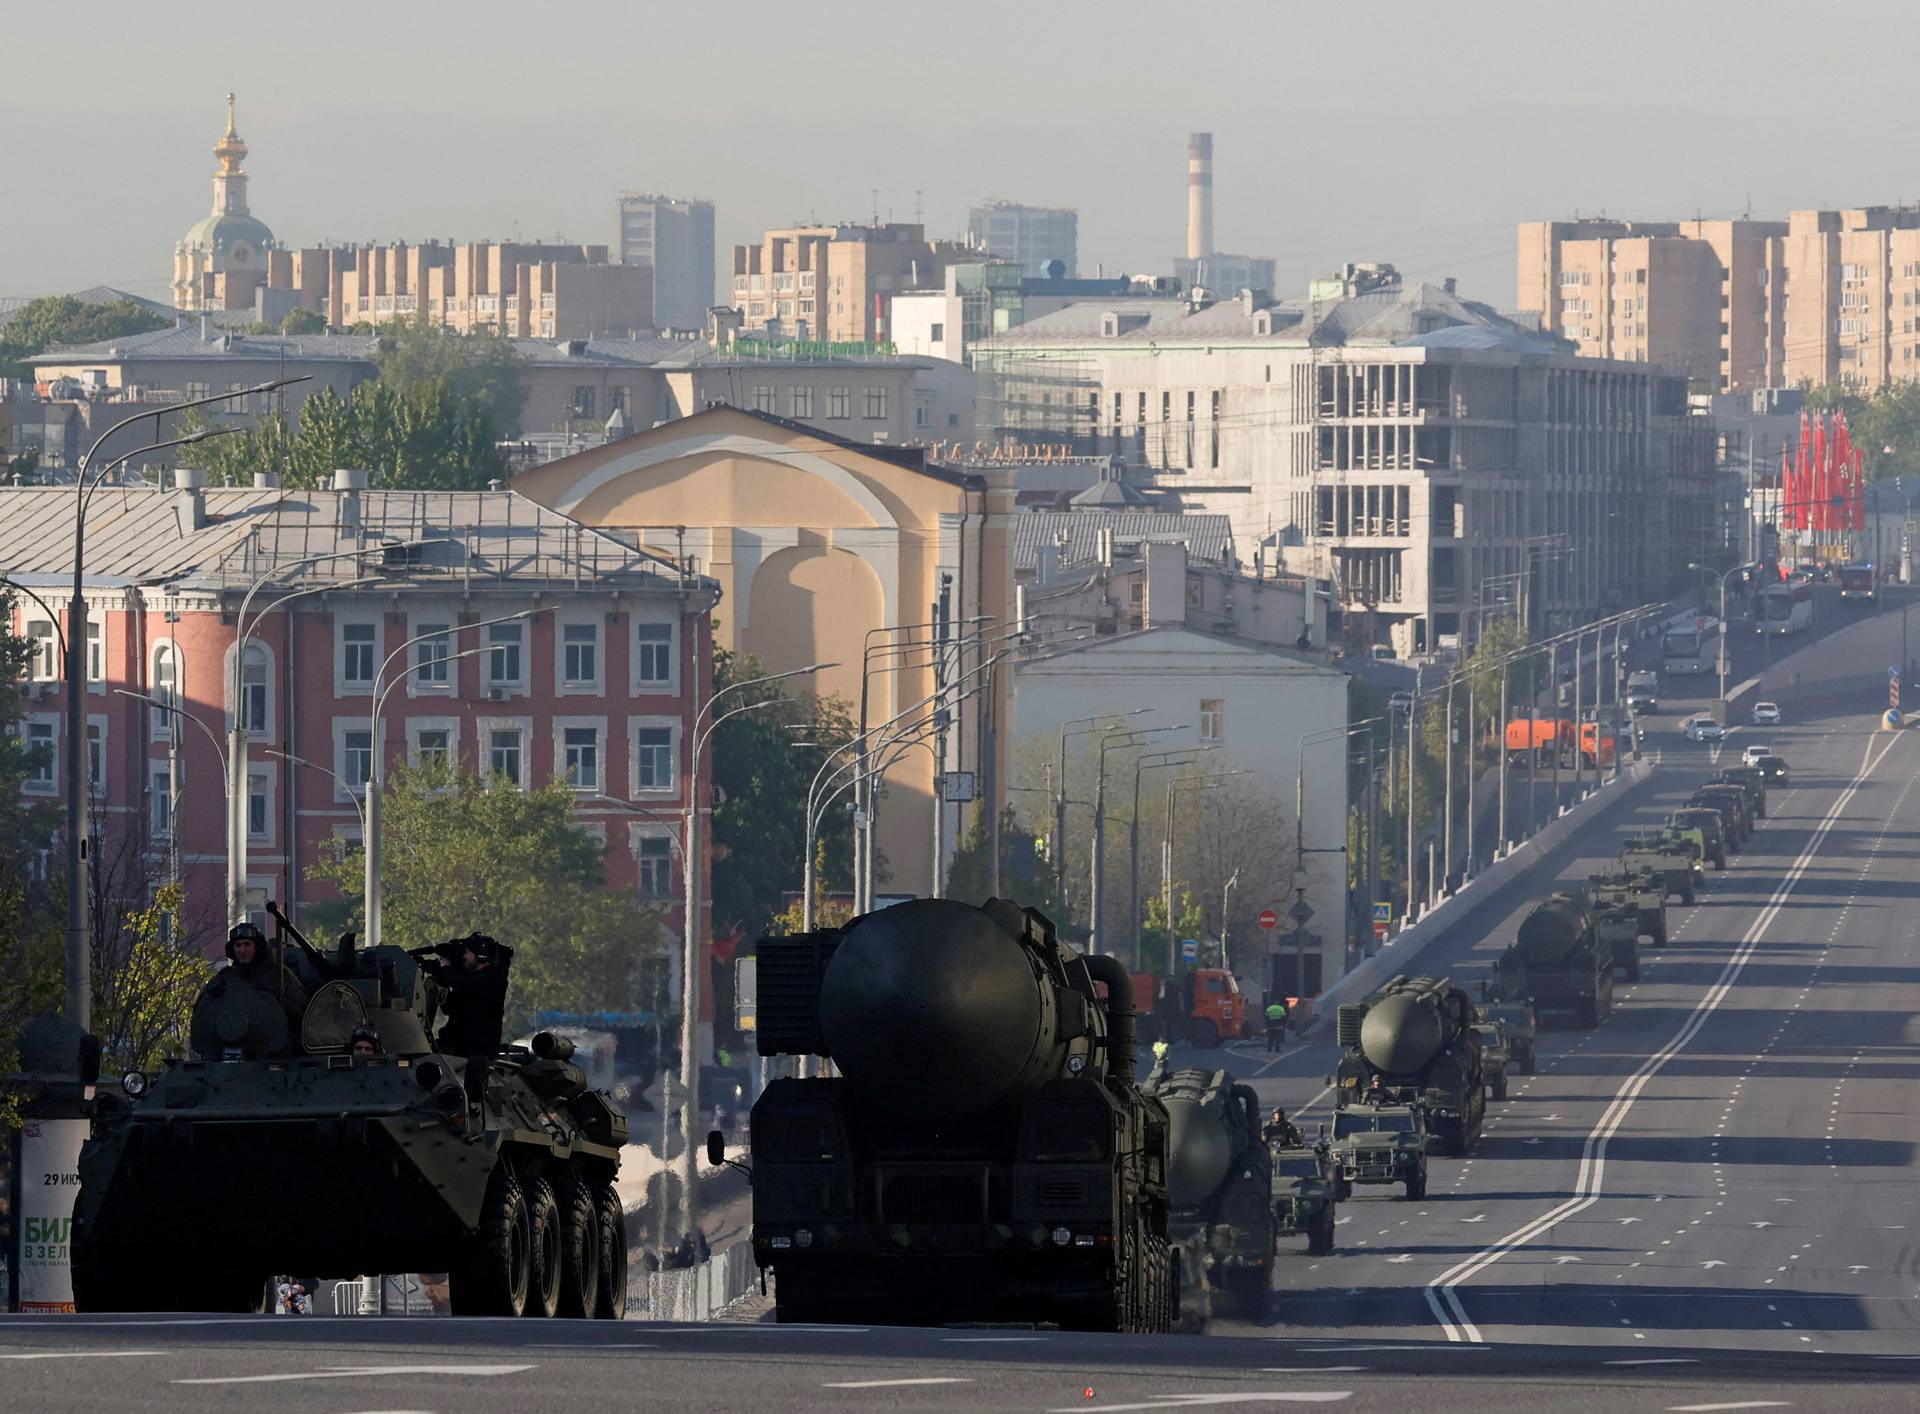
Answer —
1081 726
1174 783
1183 756
1128 737
1712 573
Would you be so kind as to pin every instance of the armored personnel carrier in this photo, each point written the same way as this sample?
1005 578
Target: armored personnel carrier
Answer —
983 1153
1303 1203
1668 859
1707 822
1221 1188
1515 1016
1414 1038
295 1154
1558 961
1377 1144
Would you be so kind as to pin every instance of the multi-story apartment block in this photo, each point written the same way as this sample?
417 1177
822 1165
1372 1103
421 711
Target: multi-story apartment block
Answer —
675 237
836 283
1033 237
1739 305
598 687
1415 448
524 291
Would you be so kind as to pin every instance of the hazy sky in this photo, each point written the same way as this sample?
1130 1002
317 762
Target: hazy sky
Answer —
1416 133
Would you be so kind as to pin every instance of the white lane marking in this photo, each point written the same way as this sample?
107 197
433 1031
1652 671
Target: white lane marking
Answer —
336 1372
890 1384
79 1354
1313 1369
993 1339
1197 1401
1443 1298
1737 1404
1669 1361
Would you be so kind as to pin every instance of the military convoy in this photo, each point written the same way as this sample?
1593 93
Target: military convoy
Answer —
1559 961
982 1152
1221 1187
1379 1142
1667 858
497 1169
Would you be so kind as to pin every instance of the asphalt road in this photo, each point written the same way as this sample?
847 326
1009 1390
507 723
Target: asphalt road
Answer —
1707 1203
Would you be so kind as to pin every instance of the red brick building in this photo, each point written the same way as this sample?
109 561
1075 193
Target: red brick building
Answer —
599 686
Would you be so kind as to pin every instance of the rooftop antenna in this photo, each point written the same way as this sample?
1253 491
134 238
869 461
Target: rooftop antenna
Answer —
876 206
919 217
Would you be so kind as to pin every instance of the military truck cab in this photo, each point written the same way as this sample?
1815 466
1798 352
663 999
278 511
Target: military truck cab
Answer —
1378 1144
1519 1026
1303 1197
1494 1057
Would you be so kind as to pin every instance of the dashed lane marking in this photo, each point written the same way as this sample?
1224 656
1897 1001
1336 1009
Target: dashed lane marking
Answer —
892 1384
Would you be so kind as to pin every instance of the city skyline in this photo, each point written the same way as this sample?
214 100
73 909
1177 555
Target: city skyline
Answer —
407 154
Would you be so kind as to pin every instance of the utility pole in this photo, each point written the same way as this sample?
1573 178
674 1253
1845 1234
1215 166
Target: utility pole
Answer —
1413 761
1553 677
1446 808
1472 740
1373 823
1500 759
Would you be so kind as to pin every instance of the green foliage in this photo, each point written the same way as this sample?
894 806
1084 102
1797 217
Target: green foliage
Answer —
1885 426
827 913
1026 874
759 829
144 1003
1190 921
462 856
61 320
303 321
480 372
30 932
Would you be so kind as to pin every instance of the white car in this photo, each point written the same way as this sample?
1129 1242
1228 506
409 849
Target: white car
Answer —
1704 728
1754 753
1766 714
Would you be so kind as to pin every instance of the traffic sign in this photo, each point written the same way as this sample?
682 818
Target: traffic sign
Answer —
1189 950
1300 912
1379 930
1382 911
1269 919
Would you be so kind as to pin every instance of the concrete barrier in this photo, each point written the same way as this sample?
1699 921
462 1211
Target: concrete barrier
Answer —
1398 952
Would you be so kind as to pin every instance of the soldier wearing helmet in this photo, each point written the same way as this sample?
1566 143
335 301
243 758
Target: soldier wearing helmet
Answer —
364 1042
255 966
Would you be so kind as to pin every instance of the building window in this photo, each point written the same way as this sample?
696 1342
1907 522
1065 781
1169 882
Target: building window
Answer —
503 663
656 867
503 754
580 655
653 654
96 755
937 332
44 666
253 691
653 758
356 654
160 804
876 404
1213 718
356 758
43 743
96 652
583 400
433 748
431 656
166 688
580 757
257 808
839 404
799 403
763 395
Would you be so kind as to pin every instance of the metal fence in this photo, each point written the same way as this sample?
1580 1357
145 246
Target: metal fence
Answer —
697 1293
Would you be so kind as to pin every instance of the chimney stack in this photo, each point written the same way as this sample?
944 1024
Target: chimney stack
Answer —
348 484
190 511
1199 196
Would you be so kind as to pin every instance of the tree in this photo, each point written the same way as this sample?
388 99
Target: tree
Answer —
483 372
763 762
144 1003
303 321
1156 947
466 855
61 320
1026 874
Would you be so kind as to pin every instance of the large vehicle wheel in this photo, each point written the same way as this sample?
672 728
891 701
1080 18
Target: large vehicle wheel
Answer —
543 1219
103 1285
1500 1085
1342 1189
1204 1034
1720 860
580 1246
1633 969
1253 1294
1320 1236
492 1279
1417 1184
1687 892
612 1227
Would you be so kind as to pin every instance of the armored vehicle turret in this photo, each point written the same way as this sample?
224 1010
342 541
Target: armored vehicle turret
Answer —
983 1152
1413 1039
1222 1192
1666 858
305 1152
1558 961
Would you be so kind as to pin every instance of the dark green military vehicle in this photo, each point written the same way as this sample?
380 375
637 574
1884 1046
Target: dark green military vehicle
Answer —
1667 858
1221 1187
1752 780
1379 1143
273 1148
1736 810
1413 1039
982 1153
1303 1201
1638 889
1518 1023
1495 1057
1712 831
1558 961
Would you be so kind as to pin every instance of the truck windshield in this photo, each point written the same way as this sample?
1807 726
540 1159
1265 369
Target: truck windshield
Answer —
803 1133
1066 1133
1303 1167
1369 1122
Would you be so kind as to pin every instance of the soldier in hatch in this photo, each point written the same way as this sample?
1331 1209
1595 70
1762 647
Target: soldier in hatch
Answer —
473 969
254 966
1281 1131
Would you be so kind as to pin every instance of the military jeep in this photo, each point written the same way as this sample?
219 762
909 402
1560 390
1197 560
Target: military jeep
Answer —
1303 1200
1378 1144
1495 1056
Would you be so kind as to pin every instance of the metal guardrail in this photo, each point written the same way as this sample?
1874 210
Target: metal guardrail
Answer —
697 1293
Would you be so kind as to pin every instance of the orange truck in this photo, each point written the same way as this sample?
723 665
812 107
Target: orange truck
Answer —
1203 1004
1591 741
1538 738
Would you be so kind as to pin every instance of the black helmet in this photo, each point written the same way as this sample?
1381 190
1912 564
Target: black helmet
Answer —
364 1033
245 931
487 949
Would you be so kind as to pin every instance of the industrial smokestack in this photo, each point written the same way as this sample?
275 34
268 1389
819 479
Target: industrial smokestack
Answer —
1199 195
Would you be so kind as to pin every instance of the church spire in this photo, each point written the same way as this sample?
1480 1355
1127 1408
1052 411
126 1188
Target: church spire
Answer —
230 149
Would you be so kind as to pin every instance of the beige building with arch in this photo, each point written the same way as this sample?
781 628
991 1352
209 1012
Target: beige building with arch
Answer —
816 540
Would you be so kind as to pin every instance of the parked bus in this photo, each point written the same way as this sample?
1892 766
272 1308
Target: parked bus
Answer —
1784 608
1693 648
1856 582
